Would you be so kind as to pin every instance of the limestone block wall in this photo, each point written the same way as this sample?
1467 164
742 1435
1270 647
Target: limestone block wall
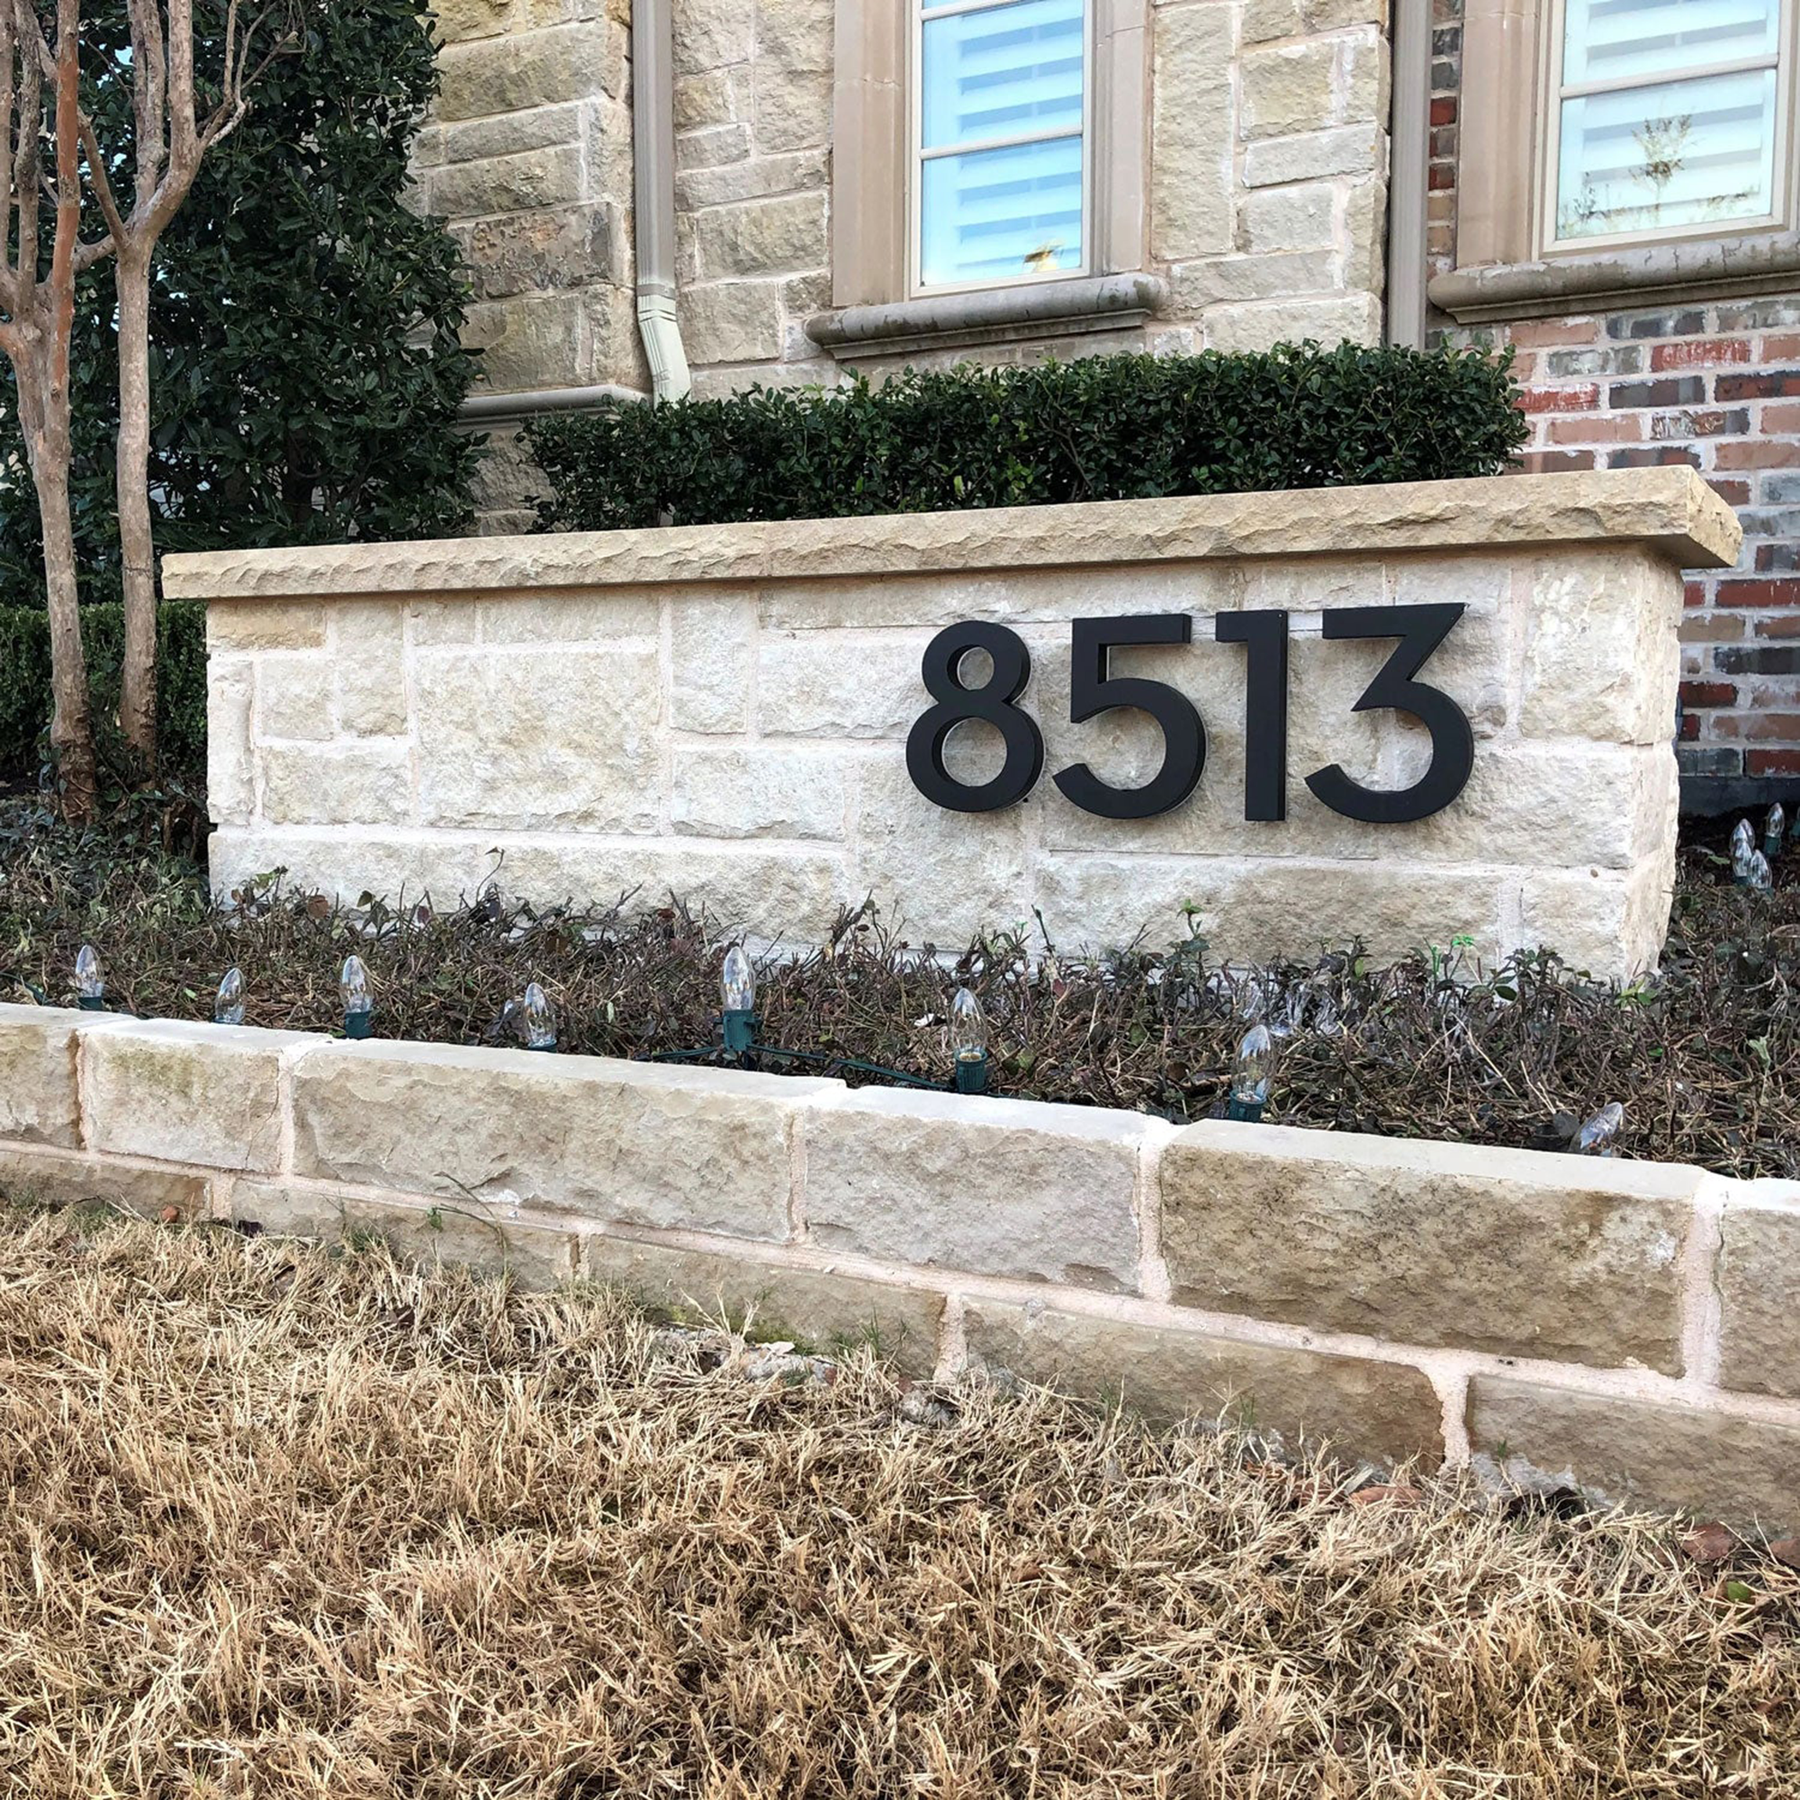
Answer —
1263 204
1553 1320
723 712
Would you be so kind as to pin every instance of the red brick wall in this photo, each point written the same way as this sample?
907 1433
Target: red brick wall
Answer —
1716 386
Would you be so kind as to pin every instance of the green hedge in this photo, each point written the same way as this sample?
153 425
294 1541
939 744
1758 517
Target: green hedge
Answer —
1106 428
25 681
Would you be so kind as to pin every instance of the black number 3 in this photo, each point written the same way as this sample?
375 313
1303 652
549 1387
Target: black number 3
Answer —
991 703
1420 630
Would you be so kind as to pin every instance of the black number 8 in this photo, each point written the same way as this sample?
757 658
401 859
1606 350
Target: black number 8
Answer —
993 704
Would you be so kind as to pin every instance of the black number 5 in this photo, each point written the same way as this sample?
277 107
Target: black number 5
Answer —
1092 690
1420 630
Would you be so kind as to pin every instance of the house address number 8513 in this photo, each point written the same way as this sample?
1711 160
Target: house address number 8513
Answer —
1093 690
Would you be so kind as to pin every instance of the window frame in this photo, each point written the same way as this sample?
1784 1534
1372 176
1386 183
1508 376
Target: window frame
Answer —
1547 131
921 12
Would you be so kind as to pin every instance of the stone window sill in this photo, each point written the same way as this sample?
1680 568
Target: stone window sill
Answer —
992 316
1652 275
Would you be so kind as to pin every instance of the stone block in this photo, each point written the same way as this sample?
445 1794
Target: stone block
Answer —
732 321
937 875
1574 1259
1356 317
369 689
56 1178
708 97
507 134
757 791
762 237
1602 660
532 179
801 690
823 1310
293 697
530 342
638 1143
1759 1286
528 69
1194 286
266 625
792 106
1638 1452
725 183
1365 1409
1363 90
796 34
708 149
709 34
711 650
557 738
1608 923
1287 90
230 776
172 1091
1190 126
38 1103
1313 155
454 1231
613 618
323 784
1302 217
993 1187
534 253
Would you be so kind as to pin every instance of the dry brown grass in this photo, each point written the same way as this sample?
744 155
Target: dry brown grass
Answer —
285 1523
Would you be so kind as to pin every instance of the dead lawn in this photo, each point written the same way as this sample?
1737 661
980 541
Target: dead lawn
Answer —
284 1523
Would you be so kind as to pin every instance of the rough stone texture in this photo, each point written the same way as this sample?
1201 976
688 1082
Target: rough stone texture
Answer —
56 1178
641 1143
454 1231
722 713
1759 1289
822 1309
1403 1240
176 1092
1002 1187
1367 1408
38 1102
1668 509
1643 1452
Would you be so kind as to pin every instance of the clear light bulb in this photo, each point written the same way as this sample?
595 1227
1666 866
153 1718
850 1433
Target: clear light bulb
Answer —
90 978
1743 847
968 1027
1776 823
228 1008
1762 877
1255 1066
738 984
537 1019
1595 1138
359 1003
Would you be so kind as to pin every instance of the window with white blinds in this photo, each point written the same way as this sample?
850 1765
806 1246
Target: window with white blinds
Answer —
1670 118
1000 142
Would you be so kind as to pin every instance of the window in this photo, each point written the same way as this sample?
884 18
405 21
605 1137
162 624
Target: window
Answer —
1000 142
1666 120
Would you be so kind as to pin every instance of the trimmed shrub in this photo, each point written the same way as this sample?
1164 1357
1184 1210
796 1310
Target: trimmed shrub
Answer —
1106 428
25 680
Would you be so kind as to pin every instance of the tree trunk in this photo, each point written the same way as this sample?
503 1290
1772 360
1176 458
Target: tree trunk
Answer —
46 421
137 705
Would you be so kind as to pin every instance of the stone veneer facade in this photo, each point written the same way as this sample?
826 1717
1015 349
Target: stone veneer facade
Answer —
1550 1320
722 711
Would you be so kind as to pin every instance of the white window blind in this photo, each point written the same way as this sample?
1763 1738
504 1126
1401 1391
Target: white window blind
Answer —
1000 169
1669 116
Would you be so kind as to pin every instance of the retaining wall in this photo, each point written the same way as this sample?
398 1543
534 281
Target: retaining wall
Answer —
725 711
1630 1326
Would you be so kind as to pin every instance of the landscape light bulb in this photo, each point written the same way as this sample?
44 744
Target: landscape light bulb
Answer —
739 982
1595 1138
1762 877
1255 1065
90 978
359 1003
228 1009
1743 847
537 1019
1774 830
968 1027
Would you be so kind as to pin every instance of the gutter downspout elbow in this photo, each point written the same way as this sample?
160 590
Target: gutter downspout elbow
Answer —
653 163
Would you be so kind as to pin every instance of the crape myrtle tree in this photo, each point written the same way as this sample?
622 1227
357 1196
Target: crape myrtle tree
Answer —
304 359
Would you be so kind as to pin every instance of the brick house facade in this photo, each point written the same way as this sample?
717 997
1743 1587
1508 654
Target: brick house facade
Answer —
715 192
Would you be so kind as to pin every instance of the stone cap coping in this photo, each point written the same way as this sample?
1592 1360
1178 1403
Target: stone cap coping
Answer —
1670 510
